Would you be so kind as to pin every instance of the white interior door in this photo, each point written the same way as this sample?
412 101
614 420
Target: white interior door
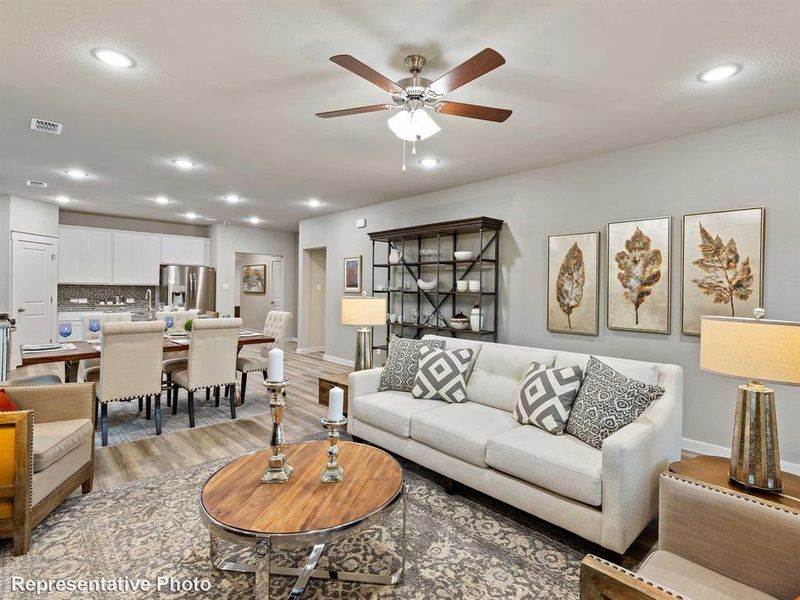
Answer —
276 284
33 290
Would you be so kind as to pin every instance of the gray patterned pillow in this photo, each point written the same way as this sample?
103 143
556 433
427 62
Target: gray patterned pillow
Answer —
607 402
442 374
402 362
546 397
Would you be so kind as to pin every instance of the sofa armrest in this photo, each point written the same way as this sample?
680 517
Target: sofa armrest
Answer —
55 402
602 580
363 382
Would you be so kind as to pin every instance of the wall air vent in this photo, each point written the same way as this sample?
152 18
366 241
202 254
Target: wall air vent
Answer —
46 126
37 184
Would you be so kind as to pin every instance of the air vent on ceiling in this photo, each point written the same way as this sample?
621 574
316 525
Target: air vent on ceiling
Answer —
34 183
46 126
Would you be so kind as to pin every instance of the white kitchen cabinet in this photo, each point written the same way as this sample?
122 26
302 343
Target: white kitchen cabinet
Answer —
136 258
86 256
184 250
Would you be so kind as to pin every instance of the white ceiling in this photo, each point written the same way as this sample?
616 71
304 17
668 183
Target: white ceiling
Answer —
235 87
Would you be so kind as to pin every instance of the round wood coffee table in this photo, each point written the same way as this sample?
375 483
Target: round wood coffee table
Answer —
237 507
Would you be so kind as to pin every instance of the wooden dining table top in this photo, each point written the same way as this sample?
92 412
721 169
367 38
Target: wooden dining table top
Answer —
86 351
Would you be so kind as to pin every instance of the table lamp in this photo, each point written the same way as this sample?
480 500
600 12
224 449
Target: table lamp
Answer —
364 312
758 350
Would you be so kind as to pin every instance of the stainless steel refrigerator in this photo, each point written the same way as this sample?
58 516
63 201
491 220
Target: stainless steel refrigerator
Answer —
192 288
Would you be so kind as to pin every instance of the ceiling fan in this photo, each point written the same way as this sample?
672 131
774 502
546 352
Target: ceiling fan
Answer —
415 95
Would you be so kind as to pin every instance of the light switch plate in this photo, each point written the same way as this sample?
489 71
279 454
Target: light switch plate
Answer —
226 286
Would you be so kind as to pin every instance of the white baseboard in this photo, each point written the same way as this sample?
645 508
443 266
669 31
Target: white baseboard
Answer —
339 361
291 339
310 350
704 448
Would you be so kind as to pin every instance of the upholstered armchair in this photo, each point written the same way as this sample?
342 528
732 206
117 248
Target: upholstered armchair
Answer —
46 452
713 544
276 325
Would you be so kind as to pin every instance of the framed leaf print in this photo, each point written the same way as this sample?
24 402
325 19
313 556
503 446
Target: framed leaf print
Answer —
638 293
352 275
723 265
573 278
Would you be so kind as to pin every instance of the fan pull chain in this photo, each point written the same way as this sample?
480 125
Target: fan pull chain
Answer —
414 148
404 156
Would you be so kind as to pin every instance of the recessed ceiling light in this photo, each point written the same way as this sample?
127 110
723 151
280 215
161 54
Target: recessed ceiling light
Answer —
113 58
63 199
429 163
254 220
183 163
162 199
76 173
314 203
190 215
232 198
719 73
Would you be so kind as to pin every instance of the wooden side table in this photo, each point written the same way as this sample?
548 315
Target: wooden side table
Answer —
714 471
326 382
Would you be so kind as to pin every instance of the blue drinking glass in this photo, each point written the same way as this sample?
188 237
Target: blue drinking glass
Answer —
94 325
65 330
169 321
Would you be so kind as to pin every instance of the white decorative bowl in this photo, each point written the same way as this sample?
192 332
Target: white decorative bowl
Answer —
463 255
427 286
474 286
462 285
459 323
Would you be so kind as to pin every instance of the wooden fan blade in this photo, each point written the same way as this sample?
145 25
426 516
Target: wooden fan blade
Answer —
355 111
356 66
473 111
480 64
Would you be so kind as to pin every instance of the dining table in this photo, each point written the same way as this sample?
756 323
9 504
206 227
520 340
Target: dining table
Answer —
83 350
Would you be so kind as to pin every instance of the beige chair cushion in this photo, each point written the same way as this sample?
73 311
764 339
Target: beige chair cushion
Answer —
391 411
692 580
53 440
248 364
461 430
45 482
560 463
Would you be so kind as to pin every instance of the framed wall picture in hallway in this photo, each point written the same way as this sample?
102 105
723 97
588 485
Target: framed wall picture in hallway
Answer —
573 273
254 279
352 275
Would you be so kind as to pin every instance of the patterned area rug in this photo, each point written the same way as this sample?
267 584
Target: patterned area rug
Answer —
458 547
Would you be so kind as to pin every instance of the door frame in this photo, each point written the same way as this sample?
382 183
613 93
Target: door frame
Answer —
19 236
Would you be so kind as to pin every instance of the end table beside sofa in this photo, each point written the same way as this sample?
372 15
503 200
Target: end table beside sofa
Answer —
607 496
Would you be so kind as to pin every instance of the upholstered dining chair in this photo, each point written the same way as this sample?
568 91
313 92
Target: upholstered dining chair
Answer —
175 361
276 325
212 362
46 452
89 370
130 367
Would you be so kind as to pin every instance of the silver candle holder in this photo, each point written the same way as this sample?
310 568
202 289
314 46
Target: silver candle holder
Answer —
333 472
279 470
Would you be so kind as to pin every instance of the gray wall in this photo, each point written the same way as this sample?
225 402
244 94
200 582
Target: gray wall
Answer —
253 307
748 164
127 224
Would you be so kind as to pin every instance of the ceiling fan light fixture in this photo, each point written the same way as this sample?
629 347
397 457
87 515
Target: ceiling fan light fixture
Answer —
413 125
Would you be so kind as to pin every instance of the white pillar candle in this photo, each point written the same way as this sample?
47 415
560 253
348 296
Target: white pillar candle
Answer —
275 365
336 404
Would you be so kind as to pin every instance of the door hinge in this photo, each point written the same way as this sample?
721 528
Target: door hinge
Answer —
52 258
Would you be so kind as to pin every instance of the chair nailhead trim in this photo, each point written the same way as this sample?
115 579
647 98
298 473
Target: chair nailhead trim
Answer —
639 578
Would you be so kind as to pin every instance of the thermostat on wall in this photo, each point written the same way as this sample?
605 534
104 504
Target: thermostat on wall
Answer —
361 223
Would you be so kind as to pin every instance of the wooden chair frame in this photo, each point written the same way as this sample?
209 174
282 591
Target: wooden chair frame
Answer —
19 525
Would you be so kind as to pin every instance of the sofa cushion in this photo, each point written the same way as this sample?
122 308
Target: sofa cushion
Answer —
461 430
390 411
53 440
452 343
402 362
561 464
546 396
498 372
442 374
646 372
694 581
607 402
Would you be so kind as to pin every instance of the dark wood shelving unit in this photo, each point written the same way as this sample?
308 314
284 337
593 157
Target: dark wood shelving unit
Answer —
480 235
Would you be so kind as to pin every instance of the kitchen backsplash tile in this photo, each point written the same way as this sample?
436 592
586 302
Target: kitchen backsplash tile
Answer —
95 294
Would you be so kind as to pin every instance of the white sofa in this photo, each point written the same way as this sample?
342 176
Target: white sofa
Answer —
607 496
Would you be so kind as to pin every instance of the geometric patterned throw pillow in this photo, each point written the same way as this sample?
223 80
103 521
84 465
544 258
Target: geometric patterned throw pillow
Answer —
607 402
402 362
546 397
442 374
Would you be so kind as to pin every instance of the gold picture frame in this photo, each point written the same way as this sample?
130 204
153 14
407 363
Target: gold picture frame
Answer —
573 283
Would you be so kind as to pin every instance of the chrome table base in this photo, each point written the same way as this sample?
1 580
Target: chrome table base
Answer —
264 570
